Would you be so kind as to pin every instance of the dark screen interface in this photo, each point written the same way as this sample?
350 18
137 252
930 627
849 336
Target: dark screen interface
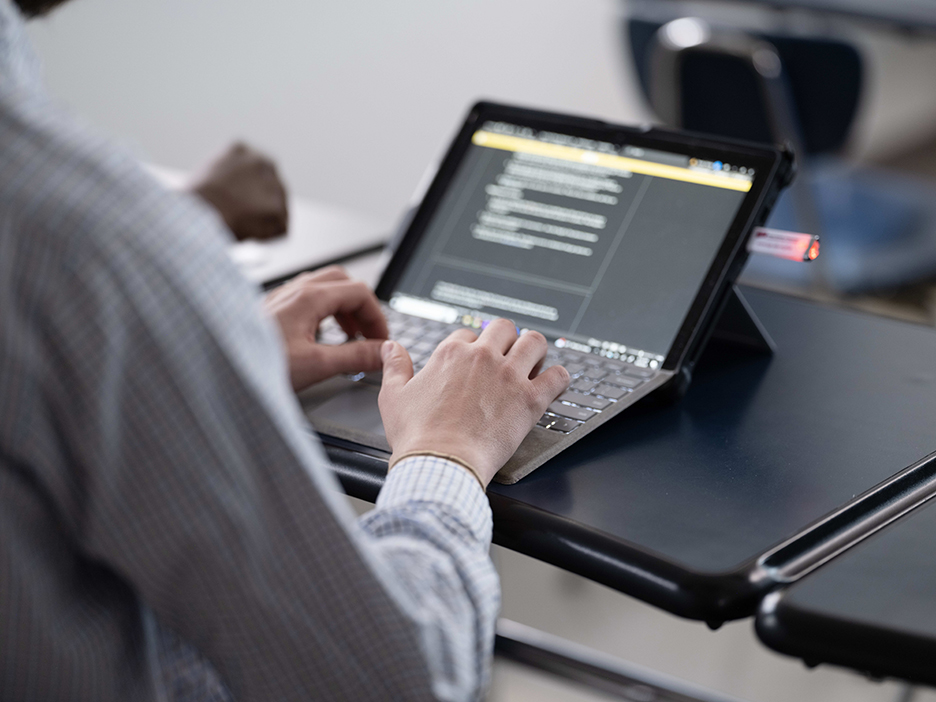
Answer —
601 247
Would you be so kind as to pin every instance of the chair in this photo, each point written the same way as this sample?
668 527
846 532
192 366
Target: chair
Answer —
879 229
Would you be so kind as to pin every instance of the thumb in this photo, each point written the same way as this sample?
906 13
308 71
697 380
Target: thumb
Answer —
353 357
397 364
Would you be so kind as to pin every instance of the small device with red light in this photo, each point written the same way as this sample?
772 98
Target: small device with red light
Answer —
793 246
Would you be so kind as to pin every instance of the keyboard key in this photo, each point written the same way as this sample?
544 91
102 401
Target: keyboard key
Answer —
585 400
624 381
564 425
611 391
639 372
595 373
579 413
546 420
615 366
574 368
583 385
572 356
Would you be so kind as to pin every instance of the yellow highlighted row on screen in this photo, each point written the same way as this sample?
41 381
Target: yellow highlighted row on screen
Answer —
621 163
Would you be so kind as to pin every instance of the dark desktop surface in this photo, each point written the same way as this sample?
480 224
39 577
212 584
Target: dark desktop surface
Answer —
871 609
675 504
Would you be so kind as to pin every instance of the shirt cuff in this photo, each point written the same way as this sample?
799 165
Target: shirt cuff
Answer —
441 482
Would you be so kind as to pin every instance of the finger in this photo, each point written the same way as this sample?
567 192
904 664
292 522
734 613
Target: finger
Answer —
275 297
323 275
499 334
353 357
528 351
464 334
397 366
550 384
356 300
352 327
295 285
348 325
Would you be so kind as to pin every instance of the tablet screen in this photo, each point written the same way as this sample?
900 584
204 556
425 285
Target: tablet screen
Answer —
599 245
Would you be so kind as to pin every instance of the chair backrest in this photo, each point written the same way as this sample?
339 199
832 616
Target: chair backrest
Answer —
719 94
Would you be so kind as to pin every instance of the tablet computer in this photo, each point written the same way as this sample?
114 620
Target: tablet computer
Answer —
619 244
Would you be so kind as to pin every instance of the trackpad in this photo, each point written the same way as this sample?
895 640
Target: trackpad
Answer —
354 408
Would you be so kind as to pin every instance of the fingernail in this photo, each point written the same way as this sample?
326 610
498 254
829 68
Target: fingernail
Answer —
386 348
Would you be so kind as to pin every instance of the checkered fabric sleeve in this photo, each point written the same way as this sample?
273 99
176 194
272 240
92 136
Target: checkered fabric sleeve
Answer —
169 525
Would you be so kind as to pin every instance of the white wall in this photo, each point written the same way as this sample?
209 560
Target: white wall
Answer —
354 98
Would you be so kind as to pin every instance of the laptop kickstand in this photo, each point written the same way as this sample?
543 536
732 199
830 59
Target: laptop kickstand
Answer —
738 324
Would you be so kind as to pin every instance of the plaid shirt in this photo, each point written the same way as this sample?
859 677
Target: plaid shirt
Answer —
169 528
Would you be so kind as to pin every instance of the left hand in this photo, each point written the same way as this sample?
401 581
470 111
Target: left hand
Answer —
300 305
243 186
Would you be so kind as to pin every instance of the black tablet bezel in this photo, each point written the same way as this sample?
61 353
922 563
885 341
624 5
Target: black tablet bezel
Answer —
770 177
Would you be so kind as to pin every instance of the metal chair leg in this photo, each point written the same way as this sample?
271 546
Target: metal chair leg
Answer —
593 669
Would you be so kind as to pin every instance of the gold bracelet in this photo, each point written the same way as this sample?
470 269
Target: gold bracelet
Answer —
446 456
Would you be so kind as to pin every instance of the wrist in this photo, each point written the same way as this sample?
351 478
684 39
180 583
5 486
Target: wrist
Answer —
473 461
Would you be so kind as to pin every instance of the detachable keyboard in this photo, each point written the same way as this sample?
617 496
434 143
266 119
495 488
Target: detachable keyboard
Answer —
598 383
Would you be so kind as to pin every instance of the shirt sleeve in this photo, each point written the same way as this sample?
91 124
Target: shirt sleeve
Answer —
433 526
158 415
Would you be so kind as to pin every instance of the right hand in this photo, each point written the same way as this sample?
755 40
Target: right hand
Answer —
299 307
476 398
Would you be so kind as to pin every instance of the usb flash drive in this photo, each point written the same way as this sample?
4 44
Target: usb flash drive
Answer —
789 245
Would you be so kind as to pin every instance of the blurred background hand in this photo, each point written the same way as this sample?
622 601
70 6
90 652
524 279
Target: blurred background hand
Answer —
243 185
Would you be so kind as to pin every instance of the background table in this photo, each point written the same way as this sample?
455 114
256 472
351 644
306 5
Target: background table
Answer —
873 609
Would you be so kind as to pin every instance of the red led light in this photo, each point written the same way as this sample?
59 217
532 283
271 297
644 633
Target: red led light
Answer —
813 251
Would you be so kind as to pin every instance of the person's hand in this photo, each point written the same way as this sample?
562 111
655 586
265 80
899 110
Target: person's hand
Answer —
476 398
300 305
243 186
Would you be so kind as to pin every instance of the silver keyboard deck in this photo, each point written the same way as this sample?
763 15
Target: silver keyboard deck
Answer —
597 382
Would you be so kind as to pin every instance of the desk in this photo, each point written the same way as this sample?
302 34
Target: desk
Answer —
688 507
